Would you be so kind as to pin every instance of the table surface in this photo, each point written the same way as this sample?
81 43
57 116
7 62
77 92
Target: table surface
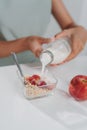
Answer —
59 111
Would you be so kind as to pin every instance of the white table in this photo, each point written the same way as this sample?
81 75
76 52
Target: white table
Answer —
57 112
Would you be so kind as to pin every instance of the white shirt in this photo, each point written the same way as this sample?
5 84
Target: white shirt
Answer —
19 18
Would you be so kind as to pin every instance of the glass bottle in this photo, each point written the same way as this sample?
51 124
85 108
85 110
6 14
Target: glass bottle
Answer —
57 52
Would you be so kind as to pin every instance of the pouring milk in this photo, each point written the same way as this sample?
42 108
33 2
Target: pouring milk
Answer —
56 53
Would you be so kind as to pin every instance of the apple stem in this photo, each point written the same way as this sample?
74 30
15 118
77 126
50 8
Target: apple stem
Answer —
84 80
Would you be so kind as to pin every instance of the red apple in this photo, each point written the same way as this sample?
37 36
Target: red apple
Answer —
78 87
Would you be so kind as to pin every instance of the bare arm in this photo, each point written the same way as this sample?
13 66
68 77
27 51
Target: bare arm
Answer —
32 43
61 14
11 46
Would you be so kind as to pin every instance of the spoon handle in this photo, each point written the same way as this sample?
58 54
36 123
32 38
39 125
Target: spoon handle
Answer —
16 62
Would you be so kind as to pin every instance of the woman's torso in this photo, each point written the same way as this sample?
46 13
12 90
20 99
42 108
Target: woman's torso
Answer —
20 18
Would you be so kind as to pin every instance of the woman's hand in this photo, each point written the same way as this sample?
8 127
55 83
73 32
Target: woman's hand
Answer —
34 43
78 36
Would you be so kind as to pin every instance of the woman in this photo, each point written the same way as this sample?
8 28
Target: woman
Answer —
23 24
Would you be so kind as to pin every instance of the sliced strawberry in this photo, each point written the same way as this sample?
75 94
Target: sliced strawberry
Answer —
41 83
36 77
33 82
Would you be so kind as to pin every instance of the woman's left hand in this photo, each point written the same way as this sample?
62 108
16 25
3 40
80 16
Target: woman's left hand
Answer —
78 36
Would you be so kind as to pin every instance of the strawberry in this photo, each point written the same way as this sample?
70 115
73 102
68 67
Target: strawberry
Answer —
36 77
41 83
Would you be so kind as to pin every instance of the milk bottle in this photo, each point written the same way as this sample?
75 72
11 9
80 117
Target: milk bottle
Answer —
56 53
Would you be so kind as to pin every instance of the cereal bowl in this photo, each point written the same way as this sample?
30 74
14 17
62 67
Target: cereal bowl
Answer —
37 85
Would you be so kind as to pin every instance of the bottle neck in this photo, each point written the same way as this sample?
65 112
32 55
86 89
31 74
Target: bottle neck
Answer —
47 57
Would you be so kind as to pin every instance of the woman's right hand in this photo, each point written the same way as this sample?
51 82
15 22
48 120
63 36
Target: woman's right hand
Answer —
34 43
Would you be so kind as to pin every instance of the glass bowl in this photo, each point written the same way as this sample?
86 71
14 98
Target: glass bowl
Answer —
33 91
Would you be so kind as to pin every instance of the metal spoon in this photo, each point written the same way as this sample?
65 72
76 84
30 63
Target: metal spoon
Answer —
16 62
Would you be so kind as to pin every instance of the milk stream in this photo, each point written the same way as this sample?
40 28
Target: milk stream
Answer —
45 60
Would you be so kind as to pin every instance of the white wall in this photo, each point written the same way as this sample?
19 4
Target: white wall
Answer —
74 7
83 14
77 9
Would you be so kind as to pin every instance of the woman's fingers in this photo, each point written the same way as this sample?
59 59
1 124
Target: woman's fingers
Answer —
44 40
76 46
63 34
